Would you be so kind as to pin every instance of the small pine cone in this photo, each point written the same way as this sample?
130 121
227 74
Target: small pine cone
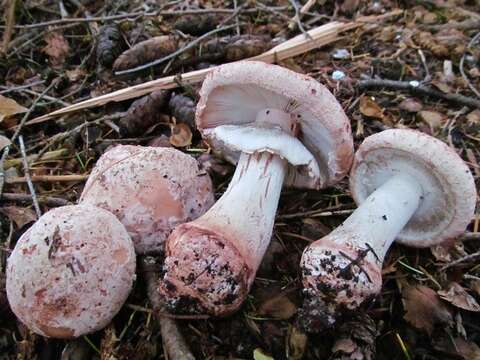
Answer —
182 108
109 44
197 25
143 113
356 339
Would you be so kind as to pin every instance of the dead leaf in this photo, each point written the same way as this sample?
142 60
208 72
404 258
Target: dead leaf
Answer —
474 116
441 253
370 108
297 342
458 296
467 350
278 307
475 286
4 141
258 354
19 216
76 74
57 48
345 346
424 308
411 105
9 107
181 135
433 119
443 87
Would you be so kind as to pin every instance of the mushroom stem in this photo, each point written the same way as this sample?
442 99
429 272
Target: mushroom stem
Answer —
343 269
211 262
381 217
248 206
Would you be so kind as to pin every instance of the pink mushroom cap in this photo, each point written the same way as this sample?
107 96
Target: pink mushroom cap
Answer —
71 272
233 94
150 190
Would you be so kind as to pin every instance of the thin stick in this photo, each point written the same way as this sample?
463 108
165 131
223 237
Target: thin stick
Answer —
5 153
28 178
46 178
27 114
303 10
297 17
10 22
463 259
20 87
419 90
470 236
61 136
48 200
295 46
298 45
173 341
237 21
188 46
130 15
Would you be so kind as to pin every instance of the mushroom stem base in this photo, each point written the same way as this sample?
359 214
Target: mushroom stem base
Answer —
204 273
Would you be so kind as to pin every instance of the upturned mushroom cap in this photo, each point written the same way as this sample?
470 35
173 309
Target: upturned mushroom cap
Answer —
150 190
449 193
235 93
71 272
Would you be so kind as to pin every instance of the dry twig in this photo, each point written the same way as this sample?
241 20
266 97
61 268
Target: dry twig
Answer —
173 341
28 178
321 35
10 22
46 178
418 89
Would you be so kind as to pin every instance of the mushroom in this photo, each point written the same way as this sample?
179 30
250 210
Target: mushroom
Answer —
282 127
150 190
71 272
410 187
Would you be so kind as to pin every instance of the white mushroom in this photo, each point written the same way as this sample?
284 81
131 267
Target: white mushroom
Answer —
282 127
410 187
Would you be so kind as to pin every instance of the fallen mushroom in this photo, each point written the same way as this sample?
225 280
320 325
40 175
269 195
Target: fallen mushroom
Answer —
410 187
71 272
282 127
150 190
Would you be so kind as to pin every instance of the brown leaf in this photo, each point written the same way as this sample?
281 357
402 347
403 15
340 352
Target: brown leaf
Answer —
474 116
441 253
467 350
475 286
297 342
433 119
278 307
4 141
370 108
181 135
57 48
411 105
442 86
424 308
458 296
76 74
9 107
20 216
